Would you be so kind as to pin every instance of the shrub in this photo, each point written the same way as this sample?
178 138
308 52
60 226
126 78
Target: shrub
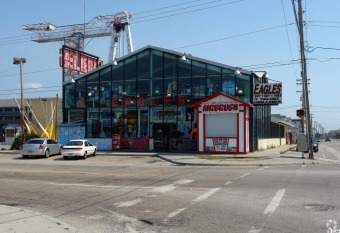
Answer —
17 141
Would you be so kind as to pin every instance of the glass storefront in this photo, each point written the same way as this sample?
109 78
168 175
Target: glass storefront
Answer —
149 94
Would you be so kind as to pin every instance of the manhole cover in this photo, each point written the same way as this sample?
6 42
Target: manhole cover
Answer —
320 207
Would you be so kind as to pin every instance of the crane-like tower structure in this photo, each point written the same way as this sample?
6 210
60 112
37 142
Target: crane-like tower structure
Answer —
74 35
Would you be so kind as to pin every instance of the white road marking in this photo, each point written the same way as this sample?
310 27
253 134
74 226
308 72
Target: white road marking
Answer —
270 209
260 169
228 182
253 230
129 203
247 174
206 195
87 185
183 181
164 188
275 202
170 187
161 189
303 166
176 212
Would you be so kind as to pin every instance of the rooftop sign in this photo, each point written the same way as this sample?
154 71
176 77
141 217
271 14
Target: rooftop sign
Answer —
267 93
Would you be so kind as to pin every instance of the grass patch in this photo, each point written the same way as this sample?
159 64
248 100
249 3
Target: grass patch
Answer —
237 159
289 149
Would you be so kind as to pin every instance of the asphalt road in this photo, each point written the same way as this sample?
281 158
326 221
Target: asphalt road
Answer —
145 194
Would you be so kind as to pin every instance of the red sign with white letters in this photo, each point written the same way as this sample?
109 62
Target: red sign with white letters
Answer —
80 61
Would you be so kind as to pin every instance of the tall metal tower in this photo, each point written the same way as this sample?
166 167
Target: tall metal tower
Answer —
74 35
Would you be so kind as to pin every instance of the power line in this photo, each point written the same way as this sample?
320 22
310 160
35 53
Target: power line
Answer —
235 36
4 42
290 47
33 72
171 11
31 88
17 93
311 49
171 6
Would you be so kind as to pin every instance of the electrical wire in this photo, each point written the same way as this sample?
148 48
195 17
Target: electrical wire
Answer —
235 36
33 72
190 7
28 92
290 47
4 42
30 88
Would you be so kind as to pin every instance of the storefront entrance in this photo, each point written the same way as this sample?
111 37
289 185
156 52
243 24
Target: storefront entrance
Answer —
162 134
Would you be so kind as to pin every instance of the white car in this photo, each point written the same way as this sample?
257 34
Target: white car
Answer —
40 147
78 148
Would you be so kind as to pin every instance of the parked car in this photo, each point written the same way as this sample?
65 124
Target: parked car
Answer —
40 147
78 148
328 139
315 144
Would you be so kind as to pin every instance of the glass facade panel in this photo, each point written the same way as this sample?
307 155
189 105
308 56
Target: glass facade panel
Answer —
105 88
228 82
69 95
156 64
243 87
214 79
80 93
199 80
143 64
184 82
93 90
93 123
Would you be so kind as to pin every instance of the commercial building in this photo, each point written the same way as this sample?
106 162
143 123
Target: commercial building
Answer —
150 93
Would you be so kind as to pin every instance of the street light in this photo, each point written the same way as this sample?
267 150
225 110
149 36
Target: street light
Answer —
21 61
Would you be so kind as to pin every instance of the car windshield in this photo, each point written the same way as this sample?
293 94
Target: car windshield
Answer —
314 140
35 141
74 143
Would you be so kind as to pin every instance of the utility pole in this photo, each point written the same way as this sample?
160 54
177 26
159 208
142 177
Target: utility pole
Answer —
56 118
21 61
304 79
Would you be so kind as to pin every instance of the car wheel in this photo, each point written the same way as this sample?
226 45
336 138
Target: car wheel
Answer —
65 157
94 153
25 156
85 155
47 153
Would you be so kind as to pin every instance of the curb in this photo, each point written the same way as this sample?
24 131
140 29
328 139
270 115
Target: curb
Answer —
228 165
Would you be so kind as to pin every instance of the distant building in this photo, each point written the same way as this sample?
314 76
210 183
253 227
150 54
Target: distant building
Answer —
297 126
40 110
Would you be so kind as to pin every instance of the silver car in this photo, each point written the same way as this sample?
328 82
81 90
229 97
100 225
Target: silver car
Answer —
40 147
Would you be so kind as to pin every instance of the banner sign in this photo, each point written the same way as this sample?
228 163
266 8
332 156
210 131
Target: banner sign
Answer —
77 60
267 93
216 108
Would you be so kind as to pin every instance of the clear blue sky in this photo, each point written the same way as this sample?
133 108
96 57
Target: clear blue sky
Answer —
245 33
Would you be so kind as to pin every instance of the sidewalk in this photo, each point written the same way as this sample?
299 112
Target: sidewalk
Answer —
282 155
17 220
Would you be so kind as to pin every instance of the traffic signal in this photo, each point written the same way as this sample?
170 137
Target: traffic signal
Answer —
300 112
